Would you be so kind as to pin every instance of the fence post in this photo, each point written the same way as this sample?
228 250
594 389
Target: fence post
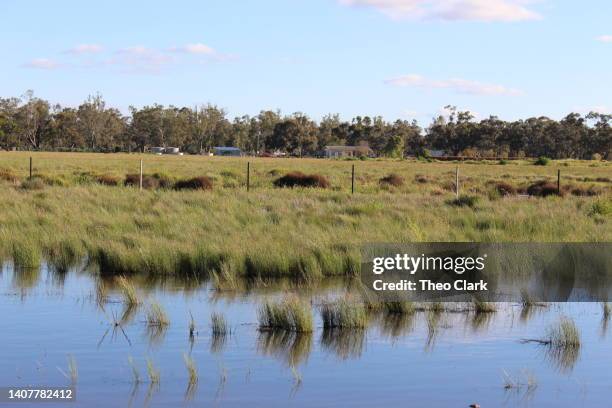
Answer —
559 181
457 181
353 180
248 176
140 174
30 167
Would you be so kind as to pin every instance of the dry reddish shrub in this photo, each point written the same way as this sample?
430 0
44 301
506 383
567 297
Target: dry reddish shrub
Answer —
299 179
392 179
196 183
108 180
8 175
542 189
421 179
148 182
505 189
584 192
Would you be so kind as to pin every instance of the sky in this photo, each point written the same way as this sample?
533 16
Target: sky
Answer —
401 59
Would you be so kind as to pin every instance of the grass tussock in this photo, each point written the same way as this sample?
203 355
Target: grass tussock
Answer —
464 201
108 180
505 189
393 180
299 179
563 334
399 307
290 314
542 188
195 183
156 316
344 314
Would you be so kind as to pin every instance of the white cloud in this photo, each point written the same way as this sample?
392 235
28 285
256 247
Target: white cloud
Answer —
197 48
41 63
463 86
85 49
451 10
139 59
605 38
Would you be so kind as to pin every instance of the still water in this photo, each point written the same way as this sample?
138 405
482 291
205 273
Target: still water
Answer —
449 360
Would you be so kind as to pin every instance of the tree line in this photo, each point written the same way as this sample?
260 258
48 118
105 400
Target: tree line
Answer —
31 123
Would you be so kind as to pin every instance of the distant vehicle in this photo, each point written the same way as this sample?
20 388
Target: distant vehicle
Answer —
227 151
166 150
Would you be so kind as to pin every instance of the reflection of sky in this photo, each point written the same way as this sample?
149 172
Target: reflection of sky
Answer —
45 322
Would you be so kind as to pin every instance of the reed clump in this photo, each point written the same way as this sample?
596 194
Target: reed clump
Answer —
290 314
195 183
563 334
299 179
399 307
344 314
156 315
393 180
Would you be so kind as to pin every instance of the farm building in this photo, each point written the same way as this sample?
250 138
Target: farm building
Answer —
347 151
227 151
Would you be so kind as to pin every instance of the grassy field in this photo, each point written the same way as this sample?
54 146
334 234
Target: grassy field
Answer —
268 231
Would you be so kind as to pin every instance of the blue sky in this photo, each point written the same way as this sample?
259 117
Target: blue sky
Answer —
395 58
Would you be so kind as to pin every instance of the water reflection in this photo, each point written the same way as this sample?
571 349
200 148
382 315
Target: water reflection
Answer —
396 325
345 343
292 348
563 359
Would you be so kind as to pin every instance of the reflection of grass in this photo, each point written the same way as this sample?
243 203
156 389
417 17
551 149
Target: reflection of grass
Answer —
606 309
153 372
192 369
483 307
343 314
344 343
290 314
135 372
290 347
218 324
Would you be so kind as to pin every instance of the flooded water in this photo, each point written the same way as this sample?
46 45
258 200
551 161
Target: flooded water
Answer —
433 360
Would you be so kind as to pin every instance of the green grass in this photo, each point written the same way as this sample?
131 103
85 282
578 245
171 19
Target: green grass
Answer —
344 314
309 233
128 291
399 307
290 314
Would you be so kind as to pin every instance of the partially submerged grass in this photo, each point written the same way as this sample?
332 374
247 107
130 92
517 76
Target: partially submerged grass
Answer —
344 314
399 307
156 315
128 291
563 334
606 310
290 314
